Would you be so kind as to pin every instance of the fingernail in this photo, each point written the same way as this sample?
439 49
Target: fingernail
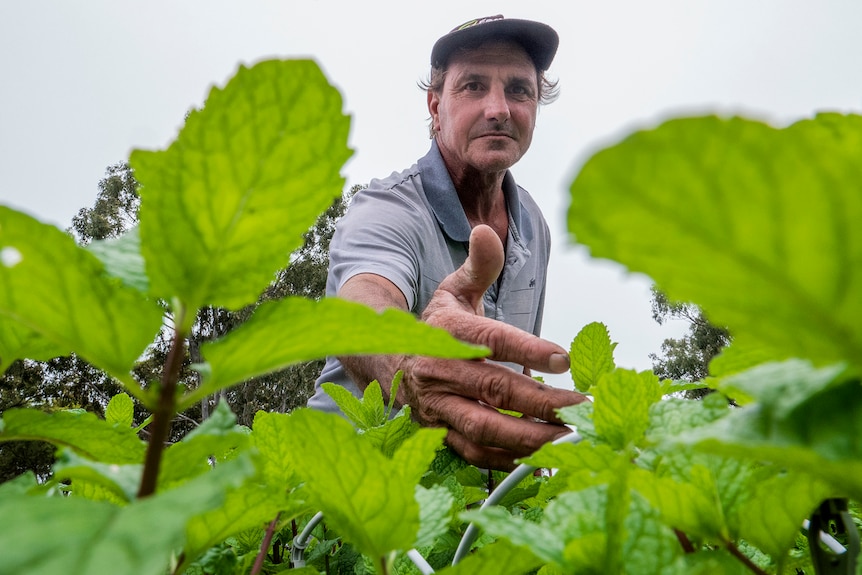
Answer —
558 362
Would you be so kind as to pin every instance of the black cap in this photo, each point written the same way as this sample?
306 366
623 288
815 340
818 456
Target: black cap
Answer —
539 40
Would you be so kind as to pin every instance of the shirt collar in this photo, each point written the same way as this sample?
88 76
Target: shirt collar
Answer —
443 198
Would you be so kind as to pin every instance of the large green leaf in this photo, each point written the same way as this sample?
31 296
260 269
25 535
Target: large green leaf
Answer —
80 431
366 497
226 203
759 226
97 537
122 258
801 417
297 329
56 298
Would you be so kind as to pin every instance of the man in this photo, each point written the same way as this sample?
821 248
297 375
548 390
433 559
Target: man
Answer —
454 240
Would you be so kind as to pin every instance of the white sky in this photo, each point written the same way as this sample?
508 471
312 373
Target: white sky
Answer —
83 83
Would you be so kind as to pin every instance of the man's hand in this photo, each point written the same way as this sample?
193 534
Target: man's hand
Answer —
463 395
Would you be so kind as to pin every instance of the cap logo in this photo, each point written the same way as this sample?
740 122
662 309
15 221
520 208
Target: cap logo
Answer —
477 21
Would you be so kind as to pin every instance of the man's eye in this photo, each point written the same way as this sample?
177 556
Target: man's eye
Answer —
472 86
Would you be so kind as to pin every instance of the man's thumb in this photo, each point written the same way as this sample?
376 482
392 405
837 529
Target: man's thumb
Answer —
481 269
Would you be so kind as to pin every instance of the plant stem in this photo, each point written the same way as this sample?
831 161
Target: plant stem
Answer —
684 541
162 416
264 545
734 550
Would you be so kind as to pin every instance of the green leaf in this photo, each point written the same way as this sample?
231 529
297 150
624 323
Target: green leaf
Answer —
541 540
718 486
740 356
389 436
693 509
621 406
781 388
707 562
581 416
227 202
649 545
363 413
18 341
756 222
121 481
571 533
416 453
277 335
250 506
269 434
435 506
97 537
80 431
583 458
362 493
120 410
592 354
803 418
19 486
498 558
122 259
56 298
771 518
673 416
217 438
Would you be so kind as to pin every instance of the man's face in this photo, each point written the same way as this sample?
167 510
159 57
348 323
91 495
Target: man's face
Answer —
486 111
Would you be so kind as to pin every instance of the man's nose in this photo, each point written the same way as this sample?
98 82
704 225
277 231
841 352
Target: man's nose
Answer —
496 105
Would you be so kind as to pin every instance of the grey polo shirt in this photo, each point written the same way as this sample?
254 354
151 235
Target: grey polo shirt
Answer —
411 229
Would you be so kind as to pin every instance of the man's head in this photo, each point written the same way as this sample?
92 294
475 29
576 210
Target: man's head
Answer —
487 80
539 40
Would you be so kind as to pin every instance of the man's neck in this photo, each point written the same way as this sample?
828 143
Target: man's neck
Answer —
483 201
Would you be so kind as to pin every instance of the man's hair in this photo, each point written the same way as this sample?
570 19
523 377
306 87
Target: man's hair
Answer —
549 90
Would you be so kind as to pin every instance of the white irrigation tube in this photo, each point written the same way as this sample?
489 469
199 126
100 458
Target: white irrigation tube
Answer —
833 544
423 566
300 542
505 486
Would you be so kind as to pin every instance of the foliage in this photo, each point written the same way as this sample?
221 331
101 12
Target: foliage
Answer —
115 210
655 484
686 358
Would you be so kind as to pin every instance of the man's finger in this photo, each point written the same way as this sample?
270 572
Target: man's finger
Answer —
480 270
492 439
451 390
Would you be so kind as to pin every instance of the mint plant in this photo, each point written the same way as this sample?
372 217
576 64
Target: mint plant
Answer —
756 225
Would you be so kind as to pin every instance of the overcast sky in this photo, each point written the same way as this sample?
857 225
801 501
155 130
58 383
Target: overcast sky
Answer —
84 83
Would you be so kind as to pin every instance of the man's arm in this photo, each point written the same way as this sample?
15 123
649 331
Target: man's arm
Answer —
462 395
378 293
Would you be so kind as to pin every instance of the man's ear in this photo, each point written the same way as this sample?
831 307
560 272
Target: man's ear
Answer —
433 105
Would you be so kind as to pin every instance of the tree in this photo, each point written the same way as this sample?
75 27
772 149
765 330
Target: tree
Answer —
115 210
686 358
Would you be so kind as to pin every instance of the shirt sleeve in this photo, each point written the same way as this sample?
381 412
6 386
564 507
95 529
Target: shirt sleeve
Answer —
378 234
